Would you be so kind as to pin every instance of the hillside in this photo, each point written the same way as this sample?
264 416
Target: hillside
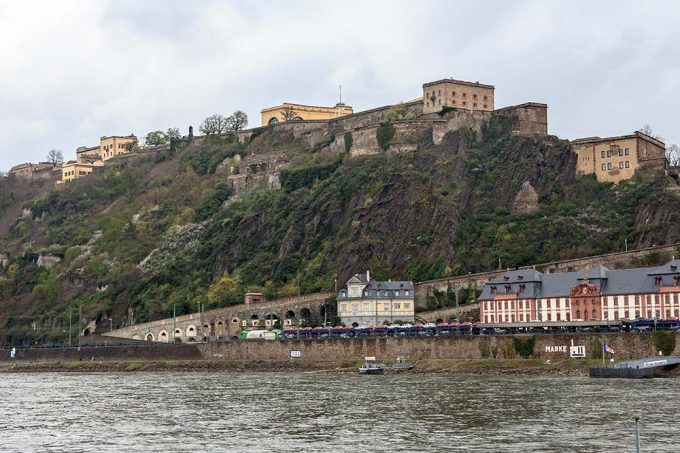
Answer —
167 228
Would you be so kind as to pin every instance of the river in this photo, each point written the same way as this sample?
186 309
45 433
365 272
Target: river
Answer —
183 412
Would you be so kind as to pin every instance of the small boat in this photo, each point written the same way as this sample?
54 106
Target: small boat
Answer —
400 365
371 368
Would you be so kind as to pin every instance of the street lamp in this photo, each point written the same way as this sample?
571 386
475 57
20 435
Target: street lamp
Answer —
110 324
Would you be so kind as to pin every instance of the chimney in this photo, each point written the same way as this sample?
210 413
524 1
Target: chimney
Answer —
368 276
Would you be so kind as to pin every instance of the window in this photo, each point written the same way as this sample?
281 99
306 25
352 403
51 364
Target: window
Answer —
406 292
609 166
464 103
603 152
365 293
627 152
365 307
616 315
485 98
627 164
474 105
397 306
620 152
407 306
343 307
396 293
604 167
474 96
558 317
484 105
454 93
626 313
620 164
549 317
464 94
355 308
609 153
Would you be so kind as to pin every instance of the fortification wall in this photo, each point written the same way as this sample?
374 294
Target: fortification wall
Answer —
529 118
330 351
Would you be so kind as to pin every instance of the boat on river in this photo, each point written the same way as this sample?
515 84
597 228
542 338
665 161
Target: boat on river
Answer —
371 368
400 365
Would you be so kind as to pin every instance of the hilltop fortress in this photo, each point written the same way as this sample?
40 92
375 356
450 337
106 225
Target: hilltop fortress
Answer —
445 105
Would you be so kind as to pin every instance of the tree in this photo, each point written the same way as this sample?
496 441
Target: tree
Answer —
173 134
647 130
155 138
225 290
288 114
55 157
237 121
673 155
214 124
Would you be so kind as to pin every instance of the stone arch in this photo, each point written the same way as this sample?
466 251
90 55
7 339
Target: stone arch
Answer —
273 120
439 321
355 324
219 328
192 332
178 332
149 337
270 319
290 314
254 316
86 332
305 316
163 336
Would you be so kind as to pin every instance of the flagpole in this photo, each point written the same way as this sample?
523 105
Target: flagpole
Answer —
604 351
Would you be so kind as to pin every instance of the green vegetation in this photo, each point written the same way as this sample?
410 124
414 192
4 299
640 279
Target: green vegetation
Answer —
384 135
349 141
664 342
133 367
597 349
165 230
524 347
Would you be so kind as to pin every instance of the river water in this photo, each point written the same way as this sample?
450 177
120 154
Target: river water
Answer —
183 412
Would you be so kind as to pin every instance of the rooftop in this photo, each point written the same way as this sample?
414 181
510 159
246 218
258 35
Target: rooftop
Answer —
458 82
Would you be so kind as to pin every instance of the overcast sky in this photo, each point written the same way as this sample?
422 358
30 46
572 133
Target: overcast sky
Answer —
73 70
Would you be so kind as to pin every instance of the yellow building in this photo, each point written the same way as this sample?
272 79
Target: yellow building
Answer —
298 112
116 145
614 159
458 94
88 155
366 302
74 170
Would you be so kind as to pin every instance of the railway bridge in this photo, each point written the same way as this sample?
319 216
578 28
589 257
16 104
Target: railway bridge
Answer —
228 322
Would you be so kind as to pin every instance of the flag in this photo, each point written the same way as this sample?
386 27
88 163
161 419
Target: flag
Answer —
608 349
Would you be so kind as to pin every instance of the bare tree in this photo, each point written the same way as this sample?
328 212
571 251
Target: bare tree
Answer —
647 130
55 157
673 155
214 124
288 114
237 121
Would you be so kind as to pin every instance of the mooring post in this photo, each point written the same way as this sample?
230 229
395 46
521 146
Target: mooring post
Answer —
637 434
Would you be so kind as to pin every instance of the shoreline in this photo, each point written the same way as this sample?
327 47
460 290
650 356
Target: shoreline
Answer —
487 367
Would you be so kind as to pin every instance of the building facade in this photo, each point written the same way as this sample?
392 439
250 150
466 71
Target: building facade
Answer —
457 94
614 159
366 302
298 112
116 145
594 295
31 171
88 155
75 170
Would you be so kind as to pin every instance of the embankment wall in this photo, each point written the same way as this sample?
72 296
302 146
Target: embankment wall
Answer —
626 345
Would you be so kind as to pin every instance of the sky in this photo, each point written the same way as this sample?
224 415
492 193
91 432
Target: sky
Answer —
74 70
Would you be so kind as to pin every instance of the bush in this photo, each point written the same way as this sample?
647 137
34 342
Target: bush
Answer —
664 342
524 348
384 135
305 176
349 141
597 349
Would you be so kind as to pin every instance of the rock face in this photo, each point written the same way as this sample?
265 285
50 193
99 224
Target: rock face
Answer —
526 200
48 261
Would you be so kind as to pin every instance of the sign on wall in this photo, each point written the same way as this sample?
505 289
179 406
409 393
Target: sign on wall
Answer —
577 352
295 354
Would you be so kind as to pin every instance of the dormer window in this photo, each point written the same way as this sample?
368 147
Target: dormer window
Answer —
658 281
520 277
396 293
507 289
521 287
494 289
506 278
674 267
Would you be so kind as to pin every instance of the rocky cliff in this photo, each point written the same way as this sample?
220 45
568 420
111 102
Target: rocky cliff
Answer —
278 210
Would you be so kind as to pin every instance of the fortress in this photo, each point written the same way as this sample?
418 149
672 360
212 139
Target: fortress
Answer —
445 105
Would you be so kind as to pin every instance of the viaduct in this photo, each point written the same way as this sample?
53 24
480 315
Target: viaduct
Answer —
228 322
